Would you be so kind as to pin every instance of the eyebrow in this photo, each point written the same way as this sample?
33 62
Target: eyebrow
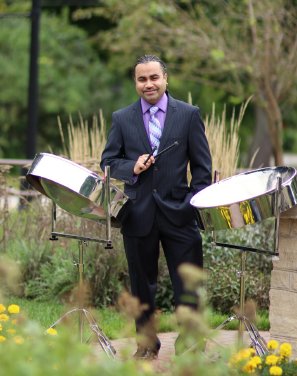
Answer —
151 76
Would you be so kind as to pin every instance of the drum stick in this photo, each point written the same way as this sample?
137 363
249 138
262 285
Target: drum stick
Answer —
216 176
150 154
166 149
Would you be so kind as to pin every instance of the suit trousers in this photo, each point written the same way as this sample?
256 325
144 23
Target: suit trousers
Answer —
180 245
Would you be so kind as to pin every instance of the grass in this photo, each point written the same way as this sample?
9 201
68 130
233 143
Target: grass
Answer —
215 319
113 323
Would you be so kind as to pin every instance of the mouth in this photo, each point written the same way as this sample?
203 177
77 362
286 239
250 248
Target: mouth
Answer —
150 92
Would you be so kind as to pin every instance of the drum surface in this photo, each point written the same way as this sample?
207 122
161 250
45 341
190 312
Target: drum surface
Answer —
245 198
74 188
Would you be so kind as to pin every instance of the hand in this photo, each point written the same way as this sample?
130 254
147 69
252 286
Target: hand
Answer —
140 164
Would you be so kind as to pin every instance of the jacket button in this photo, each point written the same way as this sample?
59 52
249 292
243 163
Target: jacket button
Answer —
154 190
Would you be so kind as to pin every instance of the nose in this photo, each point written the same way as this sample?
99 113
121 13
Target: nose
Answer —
148 84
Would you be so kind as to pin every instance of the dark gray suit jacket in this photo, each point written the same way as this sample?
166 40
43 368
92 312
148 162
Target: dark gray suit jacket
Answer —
165 184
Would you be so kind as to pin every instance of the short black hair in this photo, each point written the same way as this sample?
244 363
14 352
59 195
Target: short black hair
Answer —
147 59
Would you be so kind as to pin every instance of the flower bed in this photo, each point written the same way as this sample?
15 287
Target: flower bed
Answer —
276 362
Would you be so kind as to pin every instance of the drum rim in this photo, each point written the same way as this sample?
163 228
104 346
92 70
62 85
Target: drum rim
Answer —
268 192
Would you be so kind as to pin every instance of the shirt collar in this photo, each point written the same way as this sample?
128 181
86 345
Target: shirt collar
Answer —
161 104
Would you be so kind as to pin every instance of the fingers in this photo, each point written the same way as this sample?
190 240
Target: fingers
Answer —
143 163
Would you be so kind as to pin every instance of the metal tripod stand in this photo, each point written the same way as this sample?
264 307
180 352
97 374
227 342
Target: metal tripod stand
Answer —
83 314
257 341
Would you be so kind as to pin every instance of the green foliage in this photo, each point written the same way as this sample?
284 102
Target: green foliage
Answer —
55 355
290 140
71 79
223 264
26 348
43 313
57 276
107 274
48 268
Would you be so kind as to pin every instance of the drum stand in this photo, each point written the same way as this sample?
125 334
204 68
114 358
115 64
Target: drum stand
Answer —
82 312
257 341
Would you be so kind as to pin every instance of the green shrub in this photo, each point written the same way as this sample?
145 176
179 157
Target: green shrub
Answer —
223 264
48 270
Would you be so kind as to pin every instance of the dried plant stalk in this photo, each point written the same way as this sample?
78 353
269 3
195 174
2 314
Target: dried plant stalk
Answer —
223 142
84 144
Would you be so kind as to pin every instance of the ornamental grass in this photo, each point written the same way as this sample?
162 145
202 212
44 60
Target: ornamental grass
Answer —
276 362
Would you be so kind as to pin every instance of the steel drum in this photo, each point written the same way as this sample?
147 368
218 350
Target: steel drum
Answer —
246 198
74 188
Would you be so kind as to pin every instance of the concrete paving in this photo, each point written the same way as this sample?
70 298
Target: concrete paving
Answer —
126 347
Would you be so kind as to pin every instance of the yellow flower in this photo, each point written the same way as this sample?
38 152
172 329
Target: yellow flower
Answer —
18 340
240 356
146 367
2 339
272 344
285 350
52 331
13 308
4 317
254 363
271 360
257 361
11 331
249 367
252 351
2 308
275 371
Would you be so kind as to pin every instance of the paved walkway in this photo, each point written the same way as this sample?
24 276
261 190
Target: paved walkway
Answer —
126 347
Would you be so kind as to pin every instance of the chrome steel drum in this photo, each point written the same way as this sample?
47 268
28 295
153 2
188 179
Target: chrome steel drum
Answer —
246 198
74 188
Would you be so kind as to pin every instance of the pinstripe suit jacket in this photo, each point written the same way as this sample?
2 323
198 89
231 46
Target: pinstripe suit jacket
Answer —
165 184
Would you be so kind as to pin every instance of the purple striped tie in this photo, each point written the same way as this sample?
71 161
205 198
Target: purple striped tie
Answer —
155 129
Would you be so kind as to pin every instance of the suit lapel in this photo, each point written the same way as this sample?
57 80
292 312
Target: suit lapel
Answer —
169 122
141 128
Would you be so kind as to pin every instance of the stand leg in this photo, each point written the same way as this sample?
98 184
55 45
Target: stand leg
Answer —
258 342
84 314
80 267
242 296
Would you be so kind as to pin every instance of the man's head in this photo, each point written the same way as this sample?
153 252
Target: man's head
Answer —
150 75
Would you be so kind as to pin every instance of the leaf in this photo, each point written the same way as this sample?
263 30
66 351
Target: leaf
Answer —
217 55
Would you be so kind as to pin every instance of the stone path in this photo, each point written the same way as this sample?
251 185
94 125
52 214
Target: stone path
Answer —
126 347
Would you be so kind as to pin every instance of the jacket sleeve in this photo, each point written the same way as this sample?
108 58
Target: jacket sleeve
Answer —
199 154
114 156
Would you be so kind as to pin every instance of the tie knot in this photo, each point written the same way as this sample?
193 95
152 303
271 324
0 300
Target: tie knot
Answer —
153 110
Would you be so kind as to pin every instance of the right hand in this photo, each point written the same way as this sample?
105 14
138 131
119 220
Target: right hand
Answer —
140 166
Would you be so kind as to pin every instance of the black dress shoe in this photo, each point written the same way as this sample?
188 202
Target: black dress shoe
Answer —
147 353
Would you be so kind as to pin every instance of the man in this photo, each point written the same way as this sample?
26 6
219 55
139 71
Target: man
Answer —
159 208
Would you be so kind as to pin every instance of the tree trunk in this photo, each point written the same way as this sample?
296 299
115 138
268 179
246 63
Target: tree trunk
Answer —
261 150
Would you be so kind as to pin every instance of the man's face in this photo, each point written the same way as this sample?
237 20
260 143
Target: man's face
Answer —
150 81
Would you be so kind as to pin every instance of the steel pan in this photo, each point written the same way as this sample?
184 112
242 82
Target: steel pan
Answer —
74 188
246 198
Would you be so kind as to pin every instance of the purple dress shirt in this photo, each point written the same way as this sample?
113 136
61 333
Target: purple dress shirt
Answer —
160 114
